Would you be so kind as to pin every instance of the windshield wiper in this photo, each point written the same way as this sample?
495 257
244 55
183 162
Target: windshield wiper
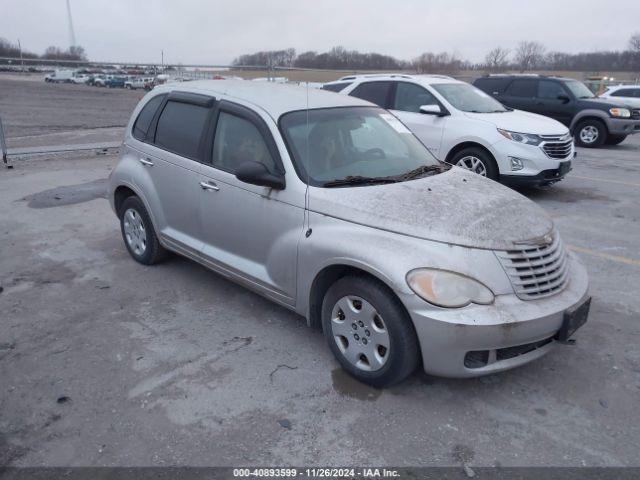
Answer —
358 180
421 171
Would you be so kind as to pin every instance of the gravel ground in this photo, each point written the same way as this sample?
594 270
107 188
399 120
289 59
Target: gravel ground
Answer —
104 362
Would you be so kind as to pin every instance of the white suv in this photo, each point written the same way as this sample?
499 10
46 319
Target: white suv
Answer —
464 126
629 94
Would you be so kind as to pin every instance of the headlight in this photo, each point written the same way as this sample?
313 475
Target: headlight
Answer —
620 112
448 289
527 139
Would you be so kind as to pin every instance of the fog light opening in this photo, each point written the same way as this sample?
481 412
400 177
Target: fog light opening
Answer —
516 164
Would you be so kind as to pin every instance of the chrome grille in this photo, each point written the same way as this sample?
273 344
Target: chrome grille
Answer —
537 271
558 147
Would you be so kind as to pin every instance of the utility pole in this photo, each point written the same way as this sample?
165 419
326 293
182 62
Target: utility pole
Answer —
162 60
72 33
21 59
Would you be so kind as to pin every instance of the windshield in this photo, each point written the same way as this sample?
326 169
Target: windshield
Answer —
579 89
468 98
354 143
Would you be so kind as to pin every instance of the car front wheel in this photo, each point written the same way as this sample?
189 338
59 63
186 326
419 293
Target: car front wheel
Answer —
138 233
590 133
476 160
369 331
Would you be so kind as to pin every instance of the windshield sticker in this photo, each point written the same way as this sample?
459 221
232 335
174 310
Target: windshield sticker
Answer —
395 123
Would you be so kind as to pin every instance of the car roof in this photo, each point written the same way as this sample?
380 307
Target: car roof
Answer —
613 88
274 98
527 76
421 78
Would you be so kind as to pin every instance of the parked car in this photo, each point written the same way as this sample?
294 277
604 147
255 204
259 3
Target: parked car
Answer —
101 80
629 94
93 78
329 206
137 82
592 121
80 78
115 81
59 76
463 126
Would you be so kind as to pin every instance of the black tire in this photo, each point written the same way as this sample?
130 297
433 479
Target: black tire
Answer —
615 139
153 251
487 160
590 123
403 351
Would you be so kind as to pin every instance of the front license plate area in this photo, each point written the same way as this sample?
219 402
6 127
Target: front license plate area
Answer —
565 167
573 320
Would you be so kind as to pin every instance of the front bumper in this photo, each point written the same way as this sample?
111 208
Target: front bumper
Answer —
545 177
536 164
623 126
446 336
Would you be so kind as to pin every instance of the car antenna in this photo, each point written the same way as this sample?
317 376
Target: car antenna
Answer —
306 192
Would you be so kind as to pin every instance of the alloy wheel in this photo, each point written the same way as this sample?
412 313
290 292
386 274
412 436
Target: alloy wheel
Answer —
589 134
473 164
360 333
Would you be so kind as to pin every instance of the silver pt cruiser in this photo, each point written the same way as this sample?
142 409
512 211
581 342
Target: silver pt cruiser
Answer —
329 206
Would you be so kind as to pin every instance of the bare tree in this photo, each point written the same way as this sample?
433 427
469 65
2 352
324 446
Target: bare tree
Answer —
442 62
497 59
529 55
634 43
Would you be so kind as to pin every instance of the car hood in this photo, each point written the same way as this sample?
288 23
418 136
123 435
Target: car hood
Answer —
456 207
631 102
601 103
522 122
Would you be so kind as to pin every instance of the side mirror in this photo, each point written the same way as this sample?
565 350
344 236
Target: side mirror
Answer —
256 173
564 98
431 110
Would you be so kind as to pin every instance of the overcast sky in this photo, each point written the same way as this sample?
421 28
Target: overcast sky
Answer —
207 31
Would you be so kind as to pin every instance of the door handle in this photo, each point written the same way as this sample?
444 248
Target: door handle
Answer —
146 162
209 186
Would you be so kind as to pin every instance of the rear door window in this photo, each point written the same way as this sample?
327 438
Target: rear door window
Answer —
180 128
143 122
410 97
524 88
374 92
624 92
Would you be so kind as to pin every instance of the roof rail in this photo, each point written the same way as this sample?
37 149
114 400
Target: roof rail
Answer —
375 75
514 75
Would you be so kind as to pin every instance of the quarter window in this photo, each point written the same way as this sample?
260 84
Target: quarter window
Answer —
521 88
143 122
336 87
180 128
374 92
410 97
236 141
550 90
625 92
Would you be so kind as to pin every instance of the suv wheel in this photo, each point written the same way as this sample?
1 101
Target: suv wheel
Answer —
138 233
369 332
590 133
615 139
476 160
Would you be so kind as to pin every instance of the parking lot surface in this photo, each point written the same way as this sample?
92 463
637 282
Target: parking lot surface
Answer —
107 362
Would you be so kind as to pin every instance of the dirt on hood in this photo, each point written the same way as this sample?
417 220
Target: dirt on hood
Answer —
456 207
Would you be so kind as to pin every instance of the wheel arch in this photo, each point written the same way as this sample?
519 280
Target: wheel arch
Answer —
326 277
590 114
468 144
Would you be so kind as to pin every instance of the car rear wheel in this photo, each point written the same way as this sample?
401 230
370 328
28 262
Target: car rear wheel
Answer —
590 133
477 161
615 139
369 332
138 233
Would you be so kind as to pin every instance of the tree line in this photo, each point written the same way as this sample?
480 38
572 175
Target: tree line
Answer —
526 56
12 50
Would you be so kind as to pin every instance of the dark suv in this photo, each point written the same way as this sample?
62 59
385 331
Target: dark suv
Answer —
592 121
